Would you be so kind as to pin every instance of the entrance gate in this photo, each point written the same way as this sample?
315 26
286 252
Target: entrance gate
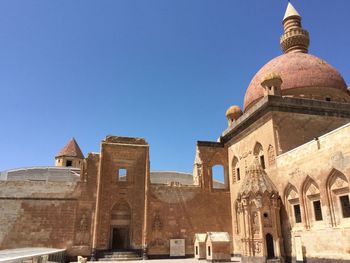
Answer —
120 227
270 247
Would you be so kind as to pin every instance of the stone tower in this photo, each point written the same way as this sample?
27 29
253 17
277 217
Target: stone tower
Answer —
70 155
258 205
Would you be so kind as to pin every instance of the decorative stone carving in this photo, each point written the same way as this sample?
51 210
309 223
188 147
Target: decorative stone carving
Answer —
271 155
82 235
245 155
339 183
157 224
256 225
257 247
158 242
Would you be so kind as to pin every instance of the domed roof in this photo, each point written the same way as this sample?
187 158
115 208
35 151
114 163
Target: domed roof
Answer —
297 70
234 112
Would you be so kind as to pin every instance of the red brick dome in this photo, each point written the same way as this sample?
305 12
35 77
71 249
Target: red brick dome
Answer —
299 72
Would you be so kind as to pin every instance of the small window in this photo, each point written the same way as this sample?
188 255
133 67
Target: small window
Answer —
69 163
238 174
196 250
297 213
208 250
328 99
317 210
122 173
345 205
262 161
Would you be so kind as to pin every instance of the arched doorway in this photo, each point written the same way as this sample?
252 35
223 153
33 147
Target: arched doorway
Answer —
269 246
120 227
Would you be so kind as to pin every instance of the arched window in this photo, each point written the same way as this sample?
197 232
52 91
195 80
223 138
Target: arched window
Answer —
236 173
259 153
293 204
219 180
312 201
338 195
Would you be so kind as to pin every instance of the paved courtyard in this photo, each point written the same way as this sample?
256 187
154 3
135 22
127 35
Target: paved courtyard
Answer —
185 260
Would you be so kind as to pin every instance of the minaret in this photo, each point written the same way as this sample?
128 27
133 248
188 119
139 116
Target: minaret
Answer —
295 38
70 155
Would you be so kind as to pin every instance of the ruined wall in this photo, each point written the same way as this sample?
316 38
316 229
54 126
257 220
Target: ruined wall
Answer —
121 200
180 212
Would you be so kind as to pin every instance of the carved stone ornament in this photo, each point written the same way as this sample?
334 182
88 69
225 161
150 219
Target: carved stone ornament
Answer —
245 155
157 224
256 227
83 233
339 183
158 242
271 155
257 247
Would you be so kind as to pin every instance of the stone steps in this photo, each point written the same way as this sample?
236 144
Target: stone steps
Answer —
120 256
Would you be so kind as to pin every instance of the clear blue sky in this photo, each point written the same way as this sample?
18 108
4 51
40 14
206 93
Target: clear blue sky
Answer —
165 70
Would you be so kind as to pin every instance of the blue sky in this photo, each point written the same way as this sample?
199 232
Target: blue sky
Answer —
165 70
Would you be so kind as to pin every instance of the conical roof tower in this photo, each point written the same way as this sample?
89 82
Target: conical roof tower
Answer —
70 155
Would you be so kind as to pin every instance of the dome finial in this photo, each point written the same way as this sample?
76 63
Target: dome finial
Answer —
290 11
295 38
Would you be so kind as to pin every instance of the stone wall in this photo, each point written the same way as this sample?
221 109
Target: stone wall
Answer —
317 170
37 213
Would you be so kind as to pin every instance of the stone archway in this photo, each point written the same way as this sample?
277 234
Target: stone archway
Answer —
120 227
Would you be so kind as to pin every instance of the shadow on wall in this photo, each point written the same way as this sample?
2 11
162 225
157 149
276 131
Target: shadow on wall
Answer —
287 234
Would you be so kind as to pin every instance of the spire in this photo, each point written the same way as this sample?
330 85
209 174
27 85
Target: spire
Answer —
295 38
71 149
290 11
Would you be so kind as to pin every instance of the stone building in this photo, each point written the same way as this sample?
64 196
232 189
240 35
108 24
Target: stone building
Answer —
285 159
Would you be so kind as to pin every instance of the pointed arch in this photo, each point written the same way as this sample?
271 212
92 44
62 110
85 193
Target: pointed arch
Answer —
337 181
292 203
258 151
291 192
312 202
236 173
121 213
257 148
337 186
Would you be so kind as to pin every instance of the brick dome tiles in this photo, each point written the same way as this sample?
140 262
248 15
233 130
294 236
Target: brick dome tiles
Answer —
297 70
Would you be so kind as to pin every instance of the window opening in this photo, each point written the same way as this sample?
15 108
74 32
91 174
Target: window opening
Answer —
122 173
238 174
317 210
69 163
262 161
208 250
196 250
297 213
218 177
345 205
